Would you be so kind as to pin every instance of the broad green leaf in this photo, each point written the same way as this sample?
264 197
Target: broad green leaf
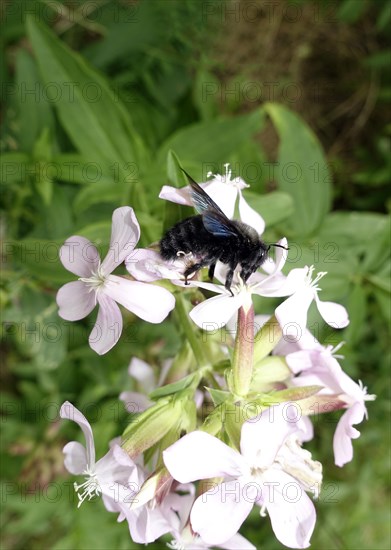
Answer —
206 94
97 193
213 141
352 229
40 259
97 123
273 207
35 113
302 170
14 166
43 154
74 168
350 11
357 307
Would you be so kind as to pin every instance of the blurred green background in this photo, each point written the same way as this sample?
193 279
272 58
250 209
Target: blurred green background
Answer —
97 95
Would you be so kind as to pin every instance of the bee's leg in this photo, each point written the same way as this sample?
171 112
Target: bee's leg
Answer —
211 271
245 274
228 280
192 269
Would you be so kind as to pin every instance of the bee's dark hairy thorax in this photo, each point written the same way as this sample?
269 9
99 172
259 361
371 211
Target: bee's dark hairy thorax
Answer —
212 236
190 236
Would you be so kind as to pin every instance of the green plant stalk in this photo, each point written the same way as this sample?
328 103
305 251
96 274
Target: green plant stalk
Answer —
243 358
189 330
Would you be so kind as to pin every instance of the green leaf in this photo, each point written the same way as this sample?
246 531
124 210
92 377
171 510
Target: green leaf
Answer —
173 212
213 141
350 11
97 193
218 396
42 154
205 94
273 207
35 113
13 166
97 123
302 170
175 387
39 258
357 307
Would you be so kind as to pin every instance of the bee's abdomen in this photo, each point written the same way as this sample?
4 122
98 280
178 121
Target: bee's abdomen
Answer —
186 236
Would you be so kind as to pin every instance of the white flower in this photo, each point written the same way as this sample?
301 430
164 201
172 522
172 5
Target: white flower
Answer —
224 191
272 470
115 476
96 284
292 313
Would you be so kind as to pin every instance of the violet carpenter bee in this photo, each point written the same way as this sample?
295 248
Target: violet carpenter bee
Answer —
210 237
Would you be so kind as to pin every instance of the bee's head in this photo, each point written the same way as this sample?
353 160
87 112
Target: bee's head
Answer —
276 245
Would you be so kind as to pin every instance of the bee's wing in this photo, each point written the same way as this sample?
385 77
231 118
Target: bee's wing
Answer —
214 219
219 225
201 200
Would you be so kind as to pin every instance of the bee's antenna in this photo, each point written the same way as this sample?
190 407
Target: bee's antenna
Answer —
277 245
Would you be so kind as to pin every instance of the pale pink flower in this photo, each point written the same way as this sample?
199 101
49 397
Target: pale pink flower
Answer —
319 366
115 476
147 265
96 284
224 191
272 471
185 538
215 312
292 313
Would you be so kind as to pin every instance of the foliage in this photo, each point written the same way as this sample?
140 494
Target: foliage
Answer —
97 110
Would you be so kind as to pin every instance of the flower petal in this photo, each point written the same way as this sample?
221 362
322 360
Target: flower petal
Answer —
143 373
79 256
199 455
125 234
216 312
135 402
75 460
149 302
334 314
144 265
271 266
277 285
249 216
108 326
148 266
291 511
262 436
237 542
344 433
292 314
75 301
70 412
180 196
223 194
218 514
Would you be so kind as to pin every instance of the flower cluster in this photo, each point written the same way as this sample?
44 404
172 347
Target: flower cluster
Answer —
223 427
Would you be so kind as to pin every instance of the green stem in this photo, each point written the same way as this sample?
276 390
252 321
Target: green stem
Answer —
189 330
243 359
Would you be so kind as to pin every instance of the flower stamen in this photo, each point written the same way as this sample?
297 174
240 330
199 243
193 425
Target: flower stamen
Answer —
90 487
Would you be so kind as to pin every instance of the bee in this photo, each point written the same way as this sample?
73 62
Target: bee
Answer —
211 236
